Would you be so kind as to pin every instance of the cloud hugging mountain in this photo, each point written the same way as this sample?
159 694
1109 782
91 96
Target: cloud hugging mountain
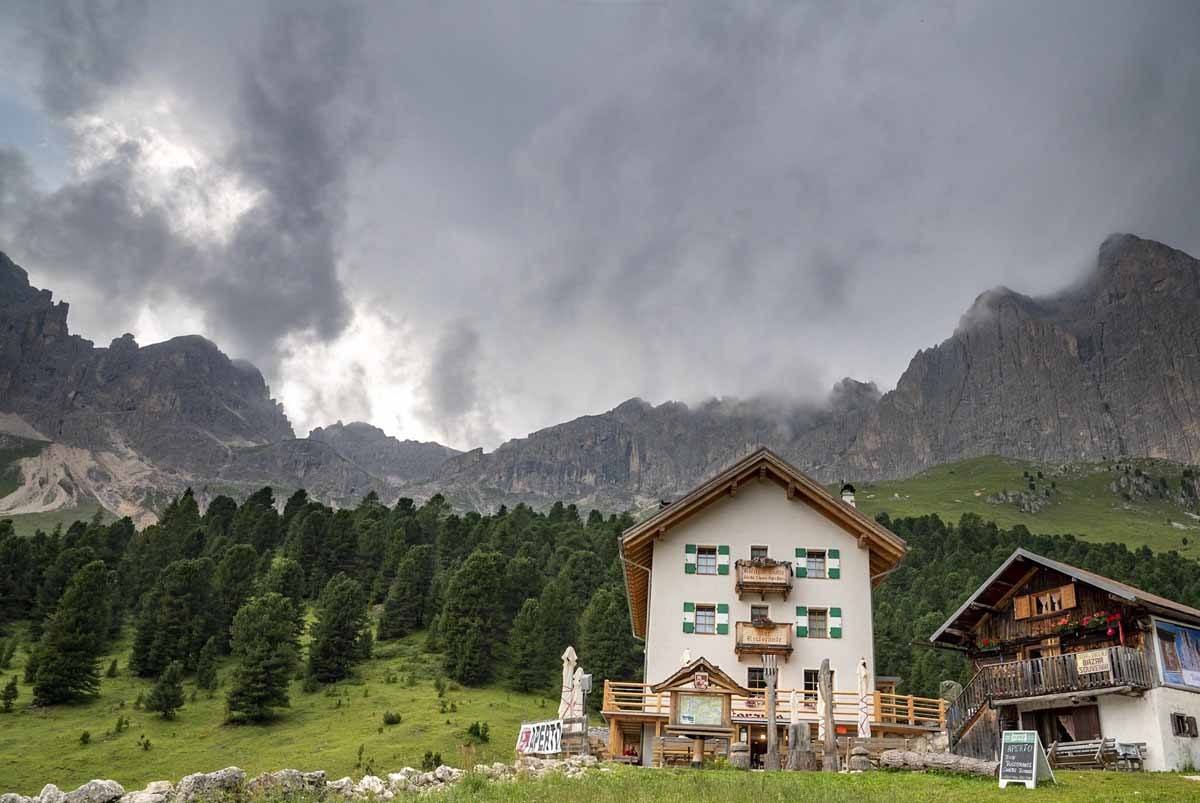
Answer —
1105 368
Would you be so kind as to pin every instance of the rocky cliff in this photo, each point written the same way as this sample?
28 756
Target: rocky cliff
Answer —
1106 368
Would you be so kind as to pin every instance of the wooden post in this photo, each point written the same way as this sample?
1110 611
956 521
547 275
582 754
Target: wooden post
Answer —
616 739
698 752
829 761
771 676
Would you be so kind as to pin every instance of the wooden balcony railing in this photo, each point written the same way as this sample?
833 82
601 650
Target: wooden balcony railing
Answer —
764 577
896 710
1115 667
772 637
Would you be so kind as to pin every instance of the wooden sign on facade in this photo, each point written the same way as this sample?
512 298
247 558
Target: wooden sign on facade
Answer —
1093 662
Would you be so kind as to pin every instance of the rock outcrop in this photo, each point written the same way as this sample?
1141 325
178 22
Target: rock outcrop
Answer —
388 458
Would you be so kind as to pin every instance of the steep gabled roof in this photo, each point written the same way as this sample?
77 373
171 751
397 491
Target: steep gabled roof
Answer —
1013 573
637 543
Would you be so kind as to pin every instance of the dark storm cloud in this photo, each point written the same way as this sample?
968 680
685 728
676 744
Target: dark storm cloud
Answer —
566 204
296 118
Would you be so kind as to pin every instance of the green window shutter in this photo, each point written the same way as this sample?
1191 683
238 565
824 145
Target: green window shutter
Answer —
835 622
723 559
833 560
801 621
801 562
689 559
722 619
689 617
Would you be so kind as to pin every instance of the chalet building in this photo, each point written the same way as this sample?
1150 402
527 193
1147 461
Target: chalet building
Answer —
760 560
1077 657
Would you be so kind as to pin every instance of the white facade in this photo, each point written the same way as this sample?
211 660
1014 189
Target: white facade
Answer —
759 514
1148 719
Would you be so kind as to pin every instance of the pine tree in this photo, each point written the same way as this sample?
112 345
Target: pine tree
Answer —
233 583
527 649
167 695
606 644
206 666
9 695
178 616
471 621
286 577
341 619
264 642
404 608
67 661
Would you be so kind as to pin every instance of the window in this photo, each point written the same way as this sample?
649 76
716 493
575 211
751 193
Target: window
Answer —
706 619
818 623
1044 603
755 679
811 678
759 612
706 560
758 553
816 563
1183 725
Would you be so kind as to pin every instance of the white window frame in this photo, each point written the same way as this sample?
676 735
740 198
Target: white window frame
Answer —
707 608
811 555
702 554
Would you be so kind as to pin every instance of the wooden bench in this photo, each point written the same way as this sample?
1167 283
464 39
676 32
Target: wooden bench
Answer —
1097 754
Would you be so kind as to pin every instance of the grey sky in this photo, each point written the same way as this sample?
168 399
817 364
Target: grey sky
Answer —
466 221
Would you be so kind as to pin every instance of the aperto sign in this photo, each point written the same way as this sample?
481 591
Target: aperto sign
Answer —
540 738
1022 760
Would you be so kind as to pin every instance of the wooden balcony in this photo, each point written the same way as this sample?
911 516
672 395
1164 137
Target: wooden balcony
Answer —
764 577
889 713
1105 669
760 638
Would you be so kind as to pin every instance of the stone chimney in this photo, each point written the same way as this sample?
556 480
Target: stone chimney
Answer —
848 494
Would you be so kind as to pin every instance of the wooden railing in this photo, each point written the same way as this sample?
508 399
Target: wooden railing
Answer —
884 708
775 637
756 577
1053 674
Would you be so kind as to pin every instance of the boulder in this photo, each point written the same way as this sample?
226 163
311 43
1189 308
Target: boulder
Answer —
282 781
402 781
446 774
342 786
13 797
156 792
51 794
314 779
208 784
372 786
860 759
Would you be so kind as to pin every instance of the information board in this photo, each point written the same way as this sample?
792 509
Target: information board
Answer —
1022 760
701 709
540 738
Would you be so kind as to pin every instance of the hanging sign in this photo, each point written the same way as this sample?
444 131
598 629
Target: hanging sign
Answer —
1092 662
540 738
1022 760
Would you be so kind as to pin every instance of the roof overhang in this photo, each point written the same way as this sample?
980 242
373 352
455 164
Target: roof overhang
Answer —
1015 571
763 465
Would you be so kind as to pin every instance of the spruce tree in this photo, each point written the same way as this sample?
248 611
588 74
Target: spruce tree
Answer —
285 577
527 649
233 583
341 620
167 695
264 642
9 695
206 666
404 608
68 656
178 616
471 621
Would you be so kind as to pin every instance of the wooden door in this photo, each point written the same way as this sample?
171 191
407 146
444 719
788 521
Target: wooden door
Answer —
1087 722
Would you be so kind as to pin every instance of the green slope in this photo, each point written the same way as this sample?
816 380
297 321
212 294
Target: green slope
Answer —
321 730
1081 501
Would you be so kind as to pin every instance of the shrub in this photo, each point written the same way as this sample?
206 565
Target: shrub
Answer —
85 737
391 718
439 685
310 685
431 761
112 669
478 732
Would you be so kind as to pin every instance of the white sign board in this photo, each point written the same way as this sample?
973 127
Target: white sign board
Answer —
1022 760
540 738
1092 662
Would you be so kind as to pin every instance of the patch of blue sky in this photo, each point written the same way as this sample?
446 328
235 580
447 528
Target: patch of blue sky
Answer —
42 142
